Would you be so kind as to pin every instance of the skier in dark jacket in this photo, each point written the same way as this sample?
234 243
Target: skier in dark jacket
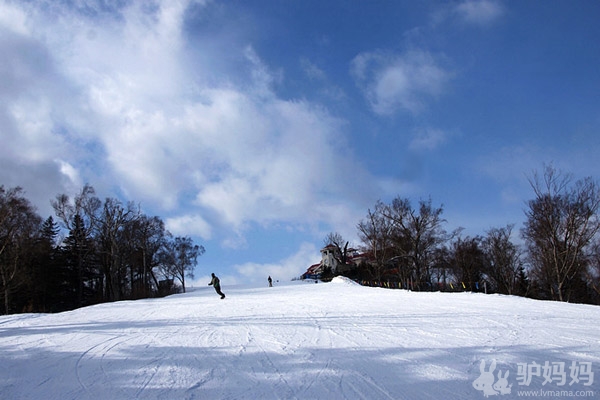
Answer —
217 285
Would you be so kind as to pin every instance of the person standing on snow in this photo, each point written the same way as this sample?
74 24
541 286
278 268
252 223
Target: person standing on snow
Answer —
217 285
270 281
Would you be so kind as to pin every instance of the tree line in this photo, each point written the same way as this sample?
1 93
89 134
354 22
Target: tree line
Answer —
107 251
557 258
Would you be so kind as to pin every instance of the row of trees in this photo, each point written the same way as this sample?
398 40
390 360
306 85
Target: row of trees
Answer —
557 256
112 251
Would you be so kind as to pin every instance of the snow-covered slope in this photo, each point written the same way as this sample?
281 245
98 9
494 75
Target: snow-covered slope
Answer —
304 341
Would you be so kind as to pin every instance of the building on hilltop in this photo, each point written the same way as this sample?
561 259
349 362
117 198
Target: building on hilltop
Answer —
335 262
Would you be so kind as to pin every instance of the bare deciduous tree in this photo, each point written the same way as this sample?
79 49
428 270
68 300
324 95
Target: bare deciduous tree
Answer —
468 261
341 246
561 223
179 257
86 205
113 220
19 223
417 234
504 259
375 231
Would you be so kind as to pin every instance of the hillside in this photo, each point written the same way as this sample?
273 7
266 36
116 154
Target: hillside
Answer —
303 341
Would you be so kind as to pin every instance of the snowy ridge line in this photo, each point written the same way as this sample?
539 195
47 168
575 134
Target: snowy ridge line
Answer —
335 340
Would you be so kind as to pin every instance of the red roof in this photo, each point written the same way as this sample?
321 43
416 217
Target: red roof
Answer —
313 268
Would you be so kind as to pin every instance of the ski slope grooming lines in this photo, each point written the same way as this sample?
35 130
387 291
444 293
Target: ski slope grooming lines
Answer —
304 340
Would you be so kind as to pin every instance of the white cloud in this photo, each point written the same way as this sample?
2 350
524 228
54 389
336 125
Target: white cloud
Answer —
263 79
38 109
479 12
13 19
186 225
286 269
113 95
70 172
394 82
277 159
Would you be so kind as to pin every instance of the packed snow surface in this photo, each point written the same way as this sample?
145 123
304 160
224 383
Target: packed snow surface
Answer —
304 340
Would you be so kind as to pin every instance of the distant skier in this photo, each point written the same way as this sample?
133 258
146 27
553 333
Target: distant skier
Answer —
217 285
270 281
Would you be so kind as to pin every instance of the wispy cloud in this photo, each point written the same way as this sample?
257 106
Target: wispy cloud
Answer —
399 82
479 12
474 13
317 76
311 70
427 138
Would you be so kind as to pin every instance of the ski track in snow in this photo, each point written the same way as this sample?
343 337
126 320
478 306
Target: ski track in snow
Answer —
294 341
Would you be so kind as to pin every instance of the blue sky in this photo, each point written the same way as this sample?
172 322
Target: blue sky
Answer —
258 127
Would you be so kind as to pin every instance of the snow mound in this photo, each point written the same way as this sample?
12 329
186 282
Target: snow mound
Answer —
344 280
